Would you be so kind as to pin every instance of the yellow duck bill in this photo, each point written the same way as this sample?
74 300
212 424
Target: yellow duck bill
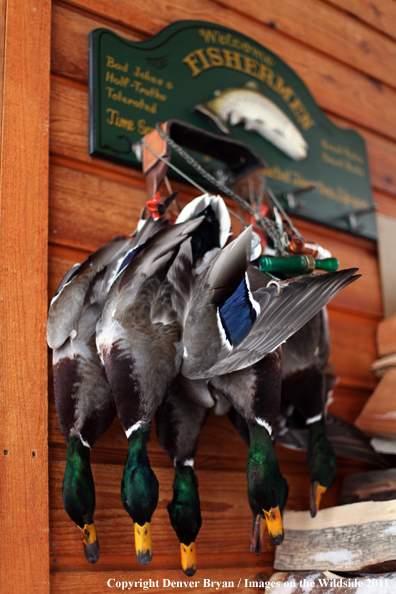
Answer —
143 546
188 558
274 524
90 542
317 491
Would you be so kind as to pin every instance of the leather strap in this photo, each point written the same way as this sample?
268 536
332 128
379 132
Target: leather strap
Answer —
241 159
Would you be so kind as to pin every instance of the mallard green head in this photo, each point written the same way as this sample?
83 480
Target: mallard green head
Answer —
321 462
78 494
185 514
265 479
139 492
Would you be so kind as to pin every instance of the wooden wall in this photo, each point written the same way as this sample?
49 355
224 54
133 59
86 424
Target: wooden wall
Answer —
345 51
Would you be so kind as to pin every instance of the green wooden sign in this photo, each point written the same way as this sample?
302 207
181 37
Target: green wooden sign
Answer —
220 80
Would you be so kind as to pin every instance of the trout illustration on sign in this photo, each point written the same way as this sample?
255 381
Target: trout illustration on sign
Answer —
247 104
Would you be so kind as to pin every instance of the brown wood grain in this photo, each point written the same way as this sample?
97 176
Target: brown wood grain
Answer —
3 6
87 211
378 485
380 14
353 349
338 89
23 269
386 204
331 31
69 41
96 583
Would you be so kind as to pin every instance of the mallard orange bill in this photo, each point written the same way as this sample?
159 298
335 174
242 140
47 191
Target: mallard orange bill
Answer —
317 491
188 558
143 546
90 542
274 525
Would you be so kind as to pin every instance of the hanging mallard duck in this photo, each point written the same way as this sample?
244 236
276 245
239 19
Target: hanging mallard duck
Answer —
140 340
157 325
179 421
83 399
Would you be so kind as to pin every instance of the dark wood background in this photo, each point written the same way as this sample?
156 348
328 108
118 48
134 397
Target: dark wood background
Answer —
345 51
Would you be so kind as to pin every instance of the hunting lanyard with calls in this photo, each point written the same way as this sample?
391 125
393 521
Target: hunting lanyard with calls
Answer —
245 164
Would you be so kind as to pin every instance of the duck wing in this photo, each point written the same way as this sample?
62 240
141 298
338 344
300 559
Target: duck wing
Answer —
205 339
83 398
282 308
68 301
140 331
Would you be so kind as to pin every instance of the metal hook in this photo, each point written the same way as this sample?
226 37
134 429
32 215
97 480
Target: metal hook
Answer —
353 217
293 197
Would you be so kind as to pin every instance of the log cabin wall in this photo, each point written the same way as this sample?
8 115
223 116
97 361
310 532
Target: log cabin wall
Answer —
345 53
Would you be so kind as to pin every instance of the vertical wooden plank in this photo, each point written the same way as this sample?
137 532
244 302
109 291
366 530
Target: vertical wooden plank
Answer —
3 4
23 288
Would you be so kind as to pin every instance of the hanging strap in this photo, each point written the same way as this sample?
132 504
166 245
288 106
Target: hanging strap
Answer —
240 159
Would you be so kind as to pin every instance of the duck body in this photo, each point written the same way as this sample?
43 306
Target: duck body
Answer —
254 394
139 338
232 336
304 382
306 356
83 398
179 421
258 525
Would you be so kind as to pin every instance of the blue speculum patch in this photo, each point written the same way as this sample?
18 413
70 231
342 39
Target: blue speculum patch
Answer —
237 314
